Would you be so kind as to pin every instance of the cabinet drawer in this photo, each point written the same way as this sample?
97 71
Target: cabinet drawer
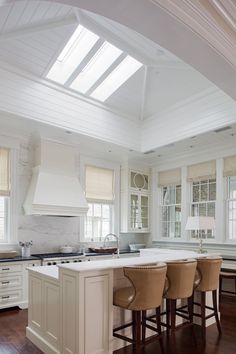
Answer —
11 296
10 268
11 281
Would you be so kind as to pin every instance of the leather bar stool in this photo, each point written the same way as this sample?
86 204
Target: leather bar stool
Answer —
181 275
227 274
145 293
209 271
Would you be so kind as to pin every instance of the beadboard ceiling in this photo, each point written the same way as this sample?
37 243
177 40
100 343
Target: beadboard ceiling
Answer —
32 34
171 109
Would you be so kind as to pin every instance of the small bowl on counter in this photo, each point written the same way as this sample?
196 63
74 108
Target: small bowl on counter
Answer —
136 246
67 249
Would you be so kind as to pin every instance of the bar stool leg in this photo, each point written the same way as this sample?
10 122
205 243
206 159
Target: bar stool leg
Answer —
143 326
203 314
168 316
190 308
214 300
158 319
220 288
172 314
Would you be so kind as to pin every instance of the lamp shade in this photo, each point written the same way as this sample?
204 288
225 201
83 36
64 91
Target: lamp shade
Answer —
200 223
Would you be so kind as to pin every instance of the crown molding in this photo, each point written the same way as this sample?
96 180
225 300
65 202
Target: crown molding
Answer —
205 20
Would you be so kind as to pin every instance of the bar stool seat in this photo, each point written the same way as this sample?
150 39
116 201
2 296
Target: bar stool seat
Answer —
209 271
180 275
145 293
227 274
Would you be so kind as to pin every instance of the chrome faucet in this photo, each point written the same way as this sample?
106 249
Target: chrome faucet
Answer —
117 242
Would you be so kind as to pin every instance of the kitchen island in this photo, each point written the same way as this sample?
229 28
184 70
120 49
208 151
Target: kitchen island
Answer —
71 306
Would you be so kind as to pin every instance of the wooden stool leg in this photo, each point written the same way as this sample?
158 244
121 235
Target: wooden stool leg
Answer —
134 317
168 315
143 326
220 288
158 319
203 314
190 308
138 328
214 300
172 314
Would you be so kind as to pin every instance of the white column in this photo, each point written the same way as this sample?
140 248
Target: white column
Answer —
185 200
220 205
155 207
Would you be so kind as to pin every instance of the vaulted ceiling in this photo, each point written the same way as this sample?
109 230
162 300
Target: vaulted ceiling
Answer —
173 96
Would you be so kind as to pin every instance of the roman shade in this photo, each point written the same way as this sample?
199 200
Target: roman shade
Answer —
4 172
170 177
201 171
230 166
99 184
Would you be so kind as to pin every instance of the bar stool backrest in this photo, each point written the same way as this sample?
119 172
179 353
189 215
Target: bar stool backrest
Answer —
148 283
209 270
180 275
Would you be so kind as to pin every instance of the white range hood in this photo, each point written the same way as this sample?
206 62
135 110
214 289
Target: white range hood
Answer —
54 188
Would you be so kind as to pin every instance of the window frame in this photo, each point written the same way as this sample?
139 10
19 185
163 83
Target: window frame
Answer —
12 235
100 163
227 200
162 205
208 239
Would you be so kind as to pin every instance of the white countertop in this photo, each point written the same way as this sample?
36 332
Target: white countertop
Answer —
144 258
147 256
48 271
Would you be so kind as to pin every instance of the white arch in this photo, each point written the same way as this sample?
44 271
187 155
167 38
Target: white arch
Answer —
155 23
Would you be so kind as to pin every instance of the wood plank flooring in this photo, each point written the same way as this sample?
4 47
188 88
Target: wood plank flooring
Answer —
186 341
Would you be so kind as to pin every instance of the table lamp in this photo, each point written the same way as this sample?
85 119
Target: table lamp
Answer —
200 223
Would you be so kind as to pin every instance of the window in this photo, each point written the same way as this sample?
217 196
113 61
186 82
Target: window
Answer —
92 66
4 194
99 187
203 203
231 206
171 211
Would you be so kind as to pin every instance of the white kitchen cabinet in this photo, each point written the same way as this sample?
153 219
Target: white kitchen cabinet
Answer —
14 283
135 200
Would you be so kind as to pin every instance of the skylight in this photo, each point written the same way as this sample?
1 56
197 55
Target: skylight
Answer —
76 49
98 76
97 66
116 78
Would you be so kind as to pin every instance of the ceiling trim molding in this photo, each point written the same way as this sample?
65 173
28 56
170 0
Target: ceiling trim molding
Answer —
204 23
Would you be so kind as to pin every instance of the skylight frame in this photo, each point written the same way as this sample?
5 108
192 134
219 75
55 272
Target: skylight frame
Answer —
127 68
96 67
77 48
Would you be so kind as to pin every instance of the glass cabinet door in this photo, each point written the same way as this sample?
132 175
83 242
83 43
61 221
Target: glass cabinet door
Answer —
138 212
144 212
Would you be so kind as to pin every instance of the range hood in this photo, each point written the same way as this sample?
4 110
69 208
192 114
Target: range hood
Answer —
54 188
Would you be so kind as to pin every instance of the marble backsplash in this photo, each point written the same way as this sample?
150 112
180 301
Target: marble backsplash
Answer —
49 233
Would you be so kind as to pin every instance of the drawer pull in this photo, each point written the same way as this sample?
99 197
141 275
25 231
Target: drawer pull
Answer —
5 268
5 282
5 297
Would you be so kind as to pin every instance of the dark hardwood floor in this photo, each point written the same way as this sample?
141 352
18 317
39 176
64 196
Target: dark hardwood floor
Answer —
186 340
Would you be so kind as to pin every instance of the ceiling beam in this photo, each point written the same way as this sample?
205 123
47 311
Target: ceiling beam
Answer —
144 92
38 27
113 38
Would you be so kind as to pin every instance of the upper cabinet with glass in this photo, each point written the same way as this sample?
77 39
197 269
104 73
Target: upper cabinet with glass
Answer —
135 187
139 181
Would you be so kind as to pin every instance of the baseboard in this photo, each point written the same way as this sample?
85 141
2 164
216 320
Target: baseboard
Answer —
40 342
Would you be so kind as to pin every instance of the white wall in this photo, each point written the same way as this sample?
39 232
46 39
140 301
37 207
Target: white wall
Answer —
49 233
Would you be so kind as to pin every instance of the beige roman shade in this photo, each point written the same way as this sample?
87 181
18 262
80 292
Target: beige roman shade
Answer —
4 172
170 177
230 166
200 171
99 184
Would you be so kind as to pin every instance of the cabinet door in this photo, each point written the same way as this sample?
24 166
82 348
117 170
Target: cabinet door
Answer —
144 211
139 212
